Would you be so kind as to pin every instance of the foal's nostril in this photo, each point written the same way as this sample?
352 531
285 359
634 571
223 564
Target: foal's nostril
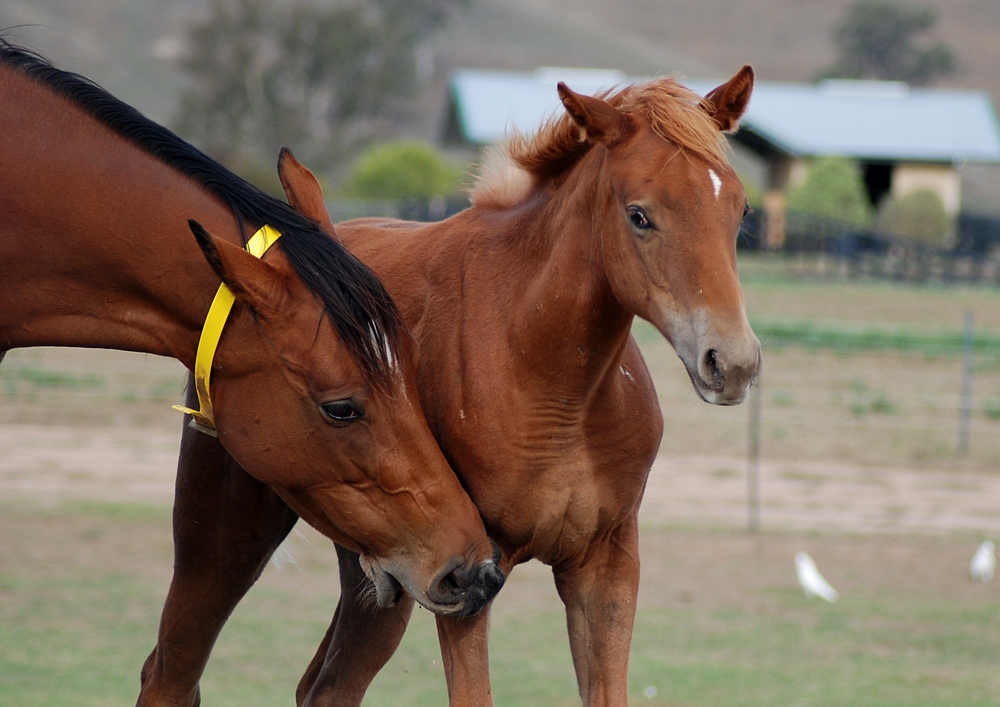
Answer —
712 369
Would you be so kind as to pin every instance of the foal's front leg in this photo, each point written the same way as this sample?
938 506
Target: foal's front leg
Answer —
465 653
226 525
359 642
600 597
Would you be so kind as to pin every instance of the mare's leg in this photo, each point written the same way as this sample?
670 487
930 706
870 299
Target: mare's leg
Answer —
226 526
600 597
357 645
465 653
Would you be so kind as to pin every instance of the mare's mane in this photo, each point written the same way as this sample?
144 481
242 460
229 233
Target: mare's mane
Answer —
672 111
356 302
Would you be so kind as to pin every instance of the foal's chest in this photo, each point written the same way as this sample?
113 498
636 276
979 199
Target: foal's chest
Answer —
551 506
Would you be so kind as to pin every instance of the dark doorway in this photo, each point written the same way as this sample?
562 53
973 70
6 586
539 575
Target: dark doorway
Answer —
878 180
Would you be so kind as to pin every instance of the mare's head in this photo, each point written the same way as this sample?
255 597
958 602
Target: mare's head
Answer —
650 163
314 393
313 380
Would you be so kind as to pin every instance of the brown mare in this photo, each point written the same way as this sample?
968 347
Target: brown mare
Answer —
522 307
314 376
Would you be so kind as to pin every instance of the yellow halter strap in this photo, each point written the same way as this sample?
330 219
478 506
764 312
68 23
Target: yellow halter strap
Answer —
203 420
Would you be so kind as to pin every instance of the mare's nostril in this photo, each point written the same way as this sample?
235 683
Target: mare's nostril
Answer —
491 579
450 584
468 587
487 579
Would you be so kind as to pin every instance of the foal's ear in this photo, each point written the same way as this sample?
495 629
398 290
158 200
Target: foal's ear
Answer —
253 281
303 190
599 120
726 103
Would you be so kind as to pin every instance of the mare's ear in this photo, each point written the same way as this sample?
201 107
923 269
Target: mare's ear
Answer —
727 103
302 189
252 281
599 120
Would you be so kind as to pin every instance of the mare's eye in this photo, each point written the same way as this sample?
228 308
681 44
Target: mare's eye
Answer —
638 218
343 411
746 209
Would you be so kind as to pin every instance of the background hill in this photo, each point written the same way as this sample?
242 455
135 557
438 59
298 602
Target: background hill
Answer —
130 46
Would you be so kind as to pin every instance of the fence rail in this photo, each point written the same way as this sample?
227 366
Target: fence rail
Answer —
819 247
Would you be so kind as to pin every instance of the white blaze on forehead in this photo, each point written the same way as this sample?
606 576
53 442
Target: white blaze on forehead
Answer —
716 182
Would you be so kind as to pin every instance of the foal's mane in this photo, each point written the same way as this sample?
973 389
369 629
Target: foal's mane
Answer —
356 302
672 111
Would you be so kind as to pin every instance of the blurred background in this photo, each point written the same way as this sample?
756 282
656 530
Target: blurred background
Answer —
871 275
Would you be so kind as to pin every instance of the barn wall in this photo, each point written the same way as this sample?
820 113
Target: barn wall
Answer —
941 179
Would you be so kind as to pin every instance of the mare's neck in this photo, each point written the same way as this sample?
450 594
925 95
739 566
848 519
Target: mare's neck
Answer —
146 288
95 248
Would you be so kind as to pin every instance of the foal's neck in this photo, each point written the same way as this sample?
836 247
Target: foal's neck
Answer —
568 310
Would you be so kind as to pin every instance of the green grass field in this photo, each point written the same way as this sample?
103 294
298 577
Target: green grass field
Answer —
721 620
81 587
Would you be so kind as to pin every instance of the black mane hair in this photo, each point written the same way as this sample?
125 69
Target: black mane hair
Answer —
360 308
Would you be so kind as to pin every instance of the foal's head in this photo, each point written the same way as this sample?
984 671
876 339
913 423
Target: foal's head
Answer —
650 163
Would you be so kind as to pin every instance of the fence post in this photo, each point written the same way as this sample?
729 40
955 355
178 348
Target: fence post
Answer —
753 459
965 406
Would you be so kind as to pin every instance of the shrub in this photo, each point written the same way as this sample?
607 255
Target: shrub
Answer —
919 215
402 170
833 189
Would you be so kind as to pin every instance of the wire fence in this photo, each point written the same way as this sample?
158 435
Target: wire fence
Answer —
900 400
823 247
863 395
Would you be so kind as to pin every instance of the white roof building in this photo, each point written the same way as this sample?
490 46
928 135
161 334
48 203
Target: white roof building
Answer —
904 137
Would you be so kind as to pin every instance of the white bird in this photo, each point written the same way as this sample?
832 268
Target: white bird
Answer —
984 562
811 580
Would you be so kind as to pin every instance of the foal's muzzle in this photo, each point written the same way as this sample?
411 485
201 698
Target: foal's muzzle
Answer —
724 377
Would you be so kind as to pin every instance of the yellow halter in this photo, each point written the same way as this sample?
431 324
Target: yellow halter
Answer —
203 420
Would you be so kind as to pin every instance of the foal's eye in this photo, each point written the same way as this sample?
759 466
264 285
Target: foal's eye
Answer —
638 218
746 209
343 411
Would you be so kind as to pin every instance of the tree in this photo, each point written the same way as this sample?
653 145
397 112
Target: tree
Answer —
403 170
833 189
320 77
878 40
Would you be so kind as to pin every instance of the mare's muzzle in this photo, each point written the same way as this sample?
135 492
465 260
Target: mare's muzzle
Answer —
461 589
468 586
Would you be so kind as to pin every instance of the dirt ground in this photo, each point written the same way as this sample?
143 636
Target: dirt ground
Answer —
47 464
